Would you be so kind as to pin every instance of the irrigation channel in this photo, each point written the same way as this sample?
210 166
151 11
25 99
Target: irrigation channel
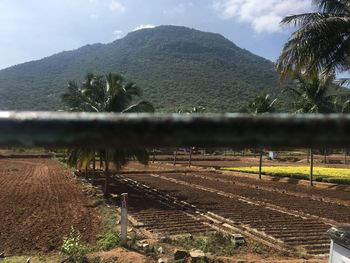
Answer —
285 216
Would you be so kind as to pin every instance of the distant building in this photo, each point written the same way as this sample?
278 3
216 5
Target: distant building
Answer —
273 155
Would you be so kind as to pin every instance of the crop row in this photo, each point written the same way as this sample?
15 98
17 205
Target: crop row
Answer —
321 174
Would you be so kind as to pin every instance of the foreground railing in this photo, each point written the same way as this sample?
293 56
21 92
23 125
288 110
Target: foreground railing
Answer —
59 129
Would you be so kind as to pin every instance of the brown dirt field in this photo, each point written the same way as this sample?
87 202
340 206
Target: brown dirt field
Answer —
309 208
122 255
40 201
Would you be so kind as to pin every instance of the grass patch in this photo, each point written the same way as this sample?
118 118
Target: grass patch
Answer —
110 238
110 218
108 241
33 259
215 243
321 174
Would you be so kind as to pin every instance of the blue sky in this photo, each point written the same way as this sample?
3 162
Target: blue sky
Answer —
33 29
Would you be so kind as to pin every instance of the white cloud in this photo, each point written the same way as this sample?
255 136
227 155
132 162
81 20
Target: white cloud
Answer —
263 16
94 16
116 6
179 9
118 34
144 26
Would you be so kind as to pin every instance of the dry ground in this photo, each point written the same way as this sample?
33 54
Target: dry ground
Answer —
40 201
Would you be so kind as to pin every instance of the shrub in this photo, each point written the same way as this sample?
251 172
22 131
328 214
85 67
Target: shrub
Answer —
73 248
108 241
216 243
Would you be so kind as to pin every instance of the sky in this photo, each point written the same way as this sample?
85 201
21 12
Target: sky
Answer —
33 29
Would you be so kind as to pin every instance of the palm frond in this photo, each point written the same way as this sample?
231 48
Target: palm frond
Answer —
321 43
331 6
141 106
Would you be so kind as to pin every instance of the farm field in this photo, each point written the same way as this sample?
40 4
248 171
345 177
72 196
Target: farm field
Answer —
321 174
239 160
44 200
40 201
289 212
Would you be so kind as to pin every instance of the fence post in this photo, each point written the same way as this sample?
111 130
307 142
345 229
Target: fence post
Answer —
311 167
345 156
260 163
175 153
124 218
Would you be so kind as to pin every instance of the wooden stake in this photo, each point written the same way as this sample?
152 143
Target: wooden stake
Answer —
311 167
260 163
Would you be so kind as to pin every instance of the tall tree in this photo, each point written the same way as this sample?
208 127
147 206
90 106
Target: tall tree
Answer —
109 93
321 42
262 104
313 95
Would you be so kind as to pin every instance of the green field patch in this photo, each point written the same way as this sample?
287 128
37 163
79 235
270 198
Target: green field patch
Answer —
321 174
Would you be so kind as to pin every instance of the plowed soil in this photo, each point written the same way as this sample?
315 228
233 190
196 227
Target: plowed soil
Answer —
291 213
40 201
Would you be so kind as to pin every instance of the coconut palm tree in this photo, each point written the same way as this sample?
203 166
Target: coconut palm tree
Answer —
321 42
262 104
314 95
110 93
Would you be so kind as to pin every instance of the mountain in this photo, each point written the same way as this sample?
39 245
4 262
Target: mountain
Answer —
176 67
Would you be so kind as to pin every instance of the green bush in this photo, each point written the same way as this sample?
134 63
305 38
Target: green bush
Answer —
108 241
72 247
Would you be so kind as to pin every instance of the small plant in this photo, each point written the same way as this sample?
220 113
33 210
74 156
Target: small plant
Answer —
302 254
203 243
186 241
73 248
215 243
256 248
108 241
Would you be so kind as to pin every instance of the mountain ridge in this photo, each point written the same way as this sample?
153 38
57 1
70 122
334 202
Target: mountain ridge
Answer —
177 67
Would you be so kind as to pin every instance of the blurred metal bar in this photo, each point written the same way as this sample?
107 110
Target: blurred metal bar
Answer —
59 129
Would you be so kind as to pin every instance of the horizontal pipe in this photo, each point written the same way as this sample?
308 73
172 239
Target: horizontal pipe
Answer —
101 130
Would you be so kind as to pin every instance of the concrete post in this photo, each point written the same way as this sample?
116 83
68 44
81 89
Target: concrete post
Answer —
124 218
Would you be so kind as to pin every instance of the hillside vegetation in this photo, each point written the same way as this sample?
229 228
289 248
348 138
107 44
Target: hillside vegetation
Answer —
176 67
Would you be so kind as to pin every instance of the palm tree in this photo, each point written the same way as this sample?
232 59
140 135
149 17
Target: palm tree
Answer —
262 104
321 42
110 93
80 158
194 110
314 95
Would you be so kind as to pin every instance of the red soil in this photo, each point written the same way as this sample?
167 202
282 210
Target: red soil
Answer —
40 201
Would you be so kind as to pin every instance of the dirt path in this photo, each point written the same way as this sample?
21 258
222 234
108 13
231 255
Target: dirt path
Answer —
40 201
